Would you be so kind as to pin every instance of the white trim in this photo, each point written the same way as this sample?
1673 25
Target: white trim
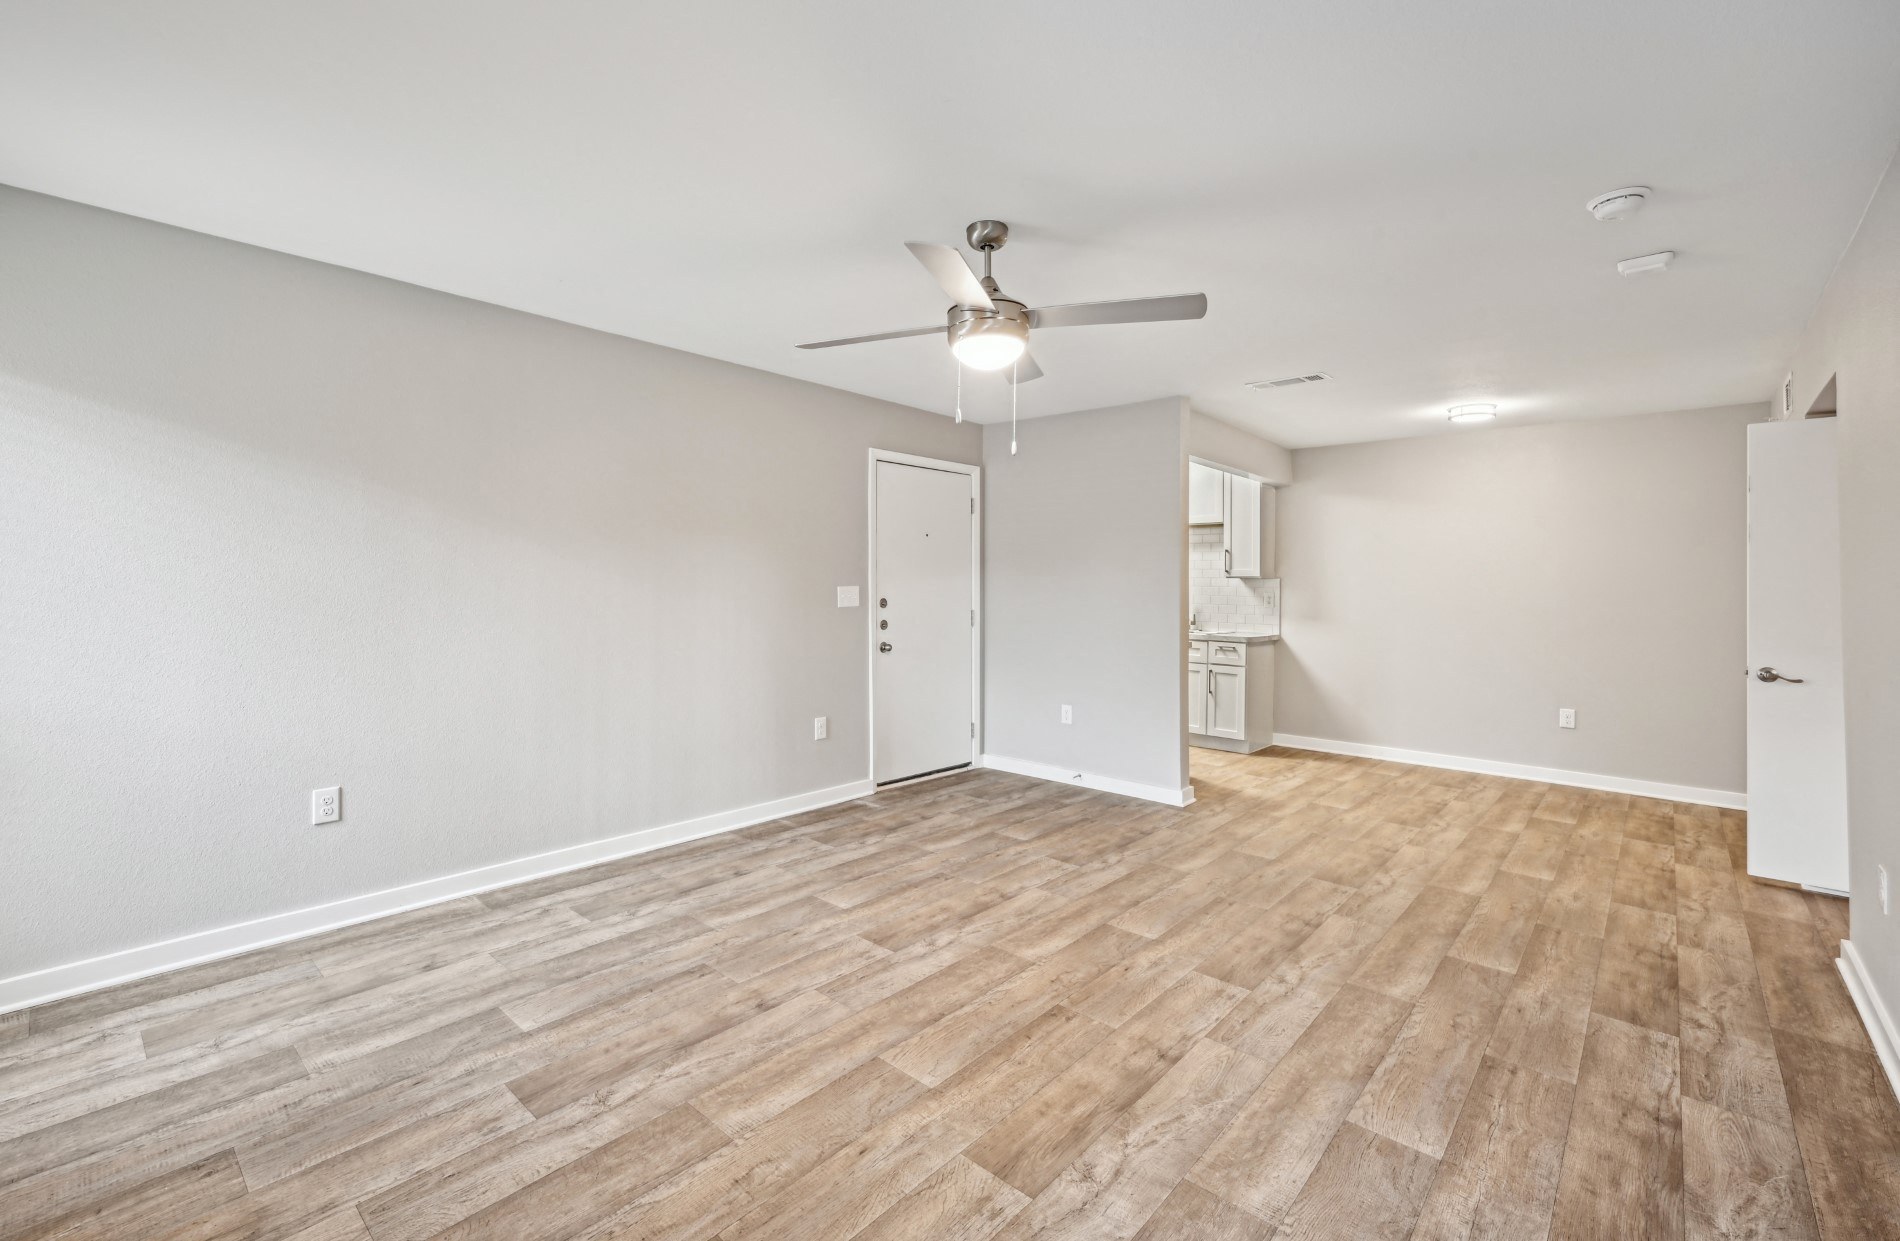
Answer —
1873 1013
871 610
60 981
1522 771
1212 464
1107 784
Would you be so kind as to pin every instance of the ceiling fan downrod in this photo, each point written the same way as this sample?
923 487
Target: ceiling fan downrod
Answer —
987 237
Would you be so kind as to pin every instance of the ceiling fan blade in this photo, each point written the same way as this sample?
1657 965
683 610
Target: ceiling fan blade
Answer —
952 274
859 340
1025 370
1128 310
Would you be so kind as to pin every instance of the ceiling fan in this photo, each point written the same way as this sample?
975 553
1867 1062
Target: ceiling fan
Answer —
988 331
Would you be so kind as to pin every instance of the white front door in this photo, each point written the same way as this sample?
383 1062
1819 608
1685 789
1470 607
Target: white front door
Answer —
1797 749
923 627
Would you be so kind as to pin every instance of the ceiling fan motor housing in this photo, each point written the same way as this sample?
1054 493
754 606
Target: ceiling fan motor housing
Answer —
1010 318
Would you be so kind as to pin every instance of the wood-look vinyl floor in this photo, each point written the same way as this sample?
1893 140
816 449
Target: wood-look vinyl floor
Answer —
1335 998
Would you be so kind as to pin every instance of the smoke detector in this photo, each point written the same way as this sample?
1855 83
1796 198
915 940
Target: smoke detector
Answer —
1618 204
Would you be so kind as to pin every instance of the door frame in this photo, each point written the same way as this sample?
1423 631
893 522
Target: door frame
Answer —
975 473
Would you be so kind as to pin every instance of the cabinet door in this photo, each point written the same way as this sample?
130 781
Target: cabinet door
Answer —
1226 702
1269 531
1197 698
1204 495
1242 527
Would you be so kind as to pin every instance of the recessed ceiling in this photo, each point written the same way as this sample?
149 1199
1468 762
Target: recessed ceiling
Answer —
1393 193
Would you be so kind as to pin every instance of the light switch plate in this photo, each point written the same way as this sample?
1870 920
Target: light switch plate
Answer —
326 805
847 596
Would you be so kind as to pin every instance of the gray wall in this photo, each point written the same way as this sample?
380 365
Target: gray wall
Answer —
269 525
1215 441
1854 339
1085 592
1450 593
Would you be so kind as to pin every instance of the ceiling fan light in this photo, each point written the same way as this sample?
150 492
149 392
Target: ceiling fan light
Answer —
988 351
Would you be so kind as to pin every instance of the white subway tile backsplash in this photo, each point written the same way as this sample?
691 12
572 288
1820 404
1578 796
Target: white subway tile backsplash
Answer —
1223 602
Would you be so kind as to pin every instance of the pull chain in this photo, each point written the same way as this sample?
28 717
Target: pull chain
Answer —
1012 409
959 366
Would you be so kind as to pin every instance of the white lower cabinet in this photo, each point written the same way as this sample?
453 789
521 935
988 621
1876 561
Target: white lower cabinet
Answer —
1226 702
1230 695
1197 698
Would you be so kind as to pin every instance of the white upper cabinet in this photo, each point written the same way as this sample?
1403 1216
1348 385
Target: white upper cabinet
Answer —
1269 518
1242 526
1206 506
1244 510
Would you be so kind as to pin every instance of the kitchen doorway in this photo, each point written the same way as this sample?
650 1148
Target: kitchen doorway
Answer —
1233 608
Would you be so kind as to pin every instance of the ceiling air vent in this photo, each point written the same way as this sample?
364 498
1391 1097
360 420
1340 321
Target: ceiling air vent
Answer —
1291 381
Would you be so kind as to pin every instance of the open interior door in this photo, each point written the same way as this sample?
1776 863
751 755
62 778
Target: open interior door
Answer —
1797 745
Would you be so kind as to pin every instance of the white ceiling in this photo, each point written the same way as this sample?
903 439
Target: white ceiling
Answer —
1391 192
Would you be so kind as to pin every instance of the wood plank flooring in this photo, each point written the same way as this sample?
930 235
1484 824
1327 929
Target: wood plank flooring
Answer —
1335 998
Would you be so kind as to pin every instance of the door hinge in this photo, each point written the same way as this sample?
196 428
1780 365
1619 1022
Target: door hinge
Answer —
973 730
973 618
972 506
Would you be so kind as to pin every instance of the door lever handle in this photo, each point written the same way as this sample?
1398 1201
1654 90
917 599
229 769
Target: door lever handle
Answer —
1769 674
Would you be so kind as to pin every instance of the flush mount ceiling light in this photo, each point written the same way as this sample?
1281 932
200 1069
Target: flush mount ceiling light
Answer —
1646 263
1618 204
1472 413
990 332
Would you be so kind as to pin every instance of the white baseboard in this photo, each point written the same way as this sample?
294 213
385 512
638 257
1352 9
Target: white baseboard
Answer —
1873 1012
1107 784
1522 771
60 981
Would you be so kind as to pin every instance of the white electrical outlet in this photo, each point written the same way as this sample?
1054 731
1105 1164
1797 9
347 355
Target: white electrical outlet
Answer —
820 727
1566 717
326 805
1068 714
847 596
1883 889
